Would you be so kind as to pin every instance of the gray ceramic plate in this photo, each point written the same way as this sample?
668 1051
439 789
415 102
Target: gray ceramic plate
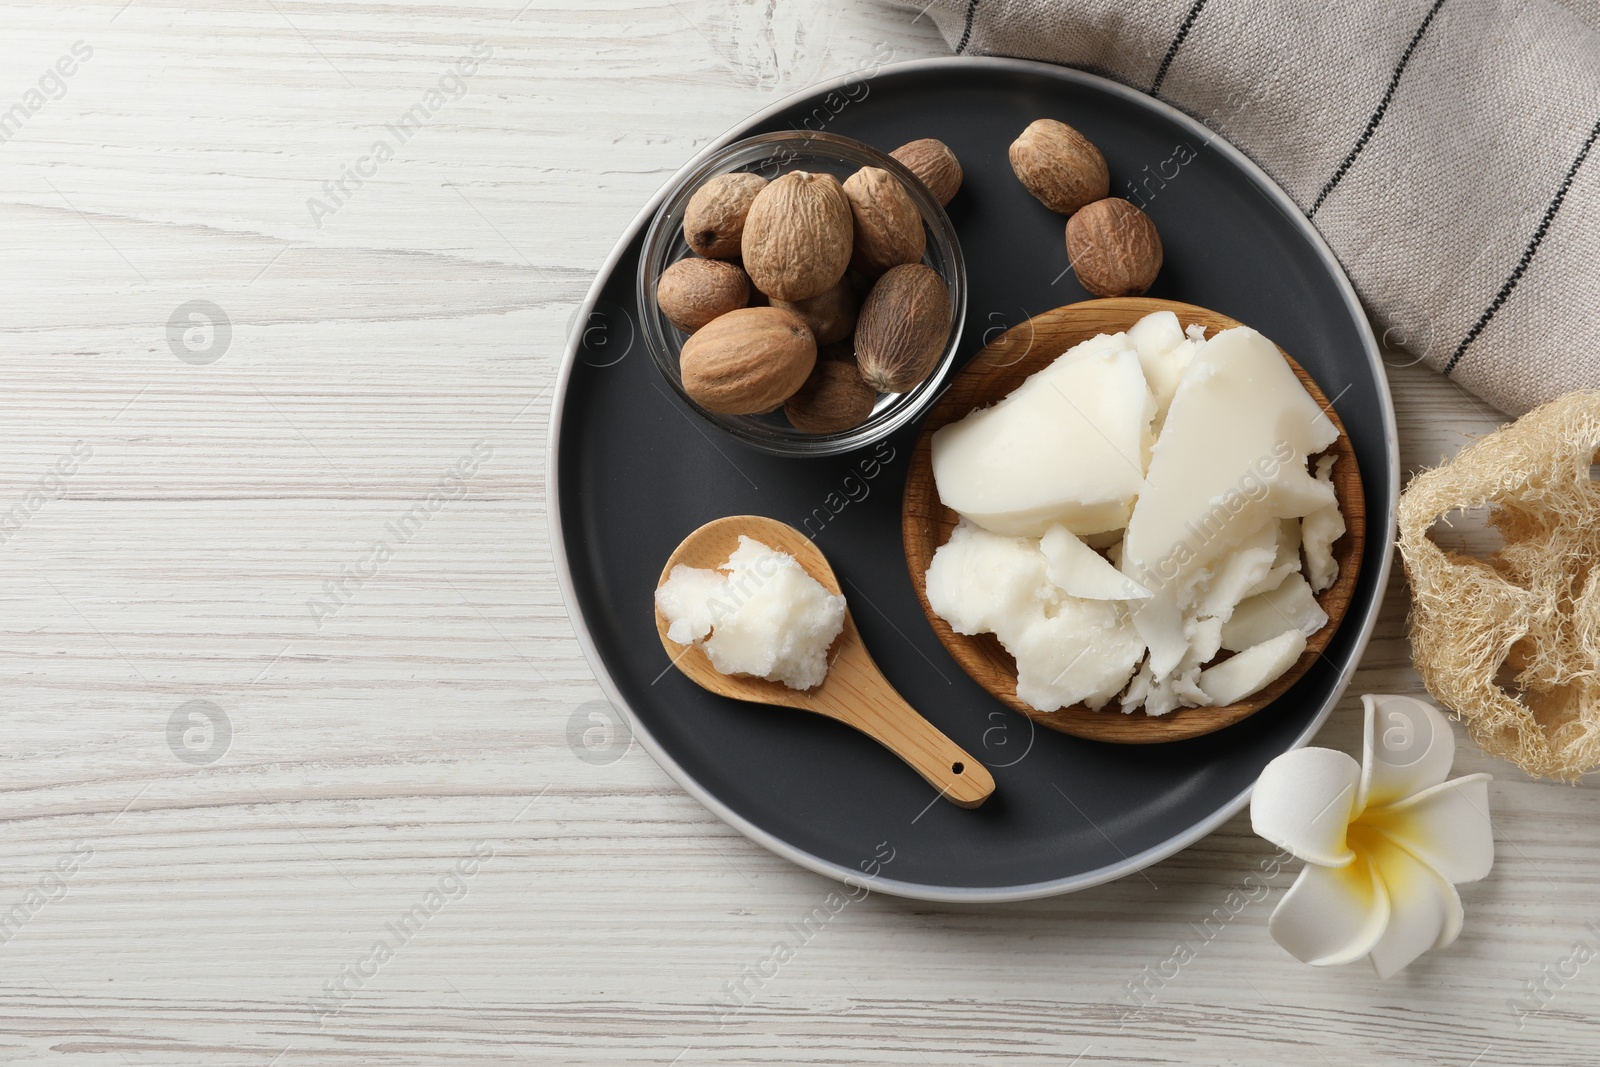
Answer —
632 471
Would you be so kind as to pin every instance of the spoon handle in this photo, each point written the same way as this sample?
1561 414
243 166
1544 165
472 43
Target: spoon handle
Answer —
858 694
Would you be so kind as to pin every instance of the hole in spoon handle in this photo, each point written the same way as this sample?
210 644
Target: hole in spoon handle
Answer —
856 692
947 767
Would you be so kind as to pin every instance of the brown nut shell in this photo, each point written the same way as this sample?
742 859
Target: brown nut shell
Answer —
931 160
1114 248
798 236
747 361
833 398
903 327
713 220
692 291
1060 166
842 350
831 316
887 225
860 284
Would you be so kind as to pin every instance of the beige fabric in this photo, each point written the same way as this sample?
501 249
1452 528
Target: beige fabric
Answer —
1469 216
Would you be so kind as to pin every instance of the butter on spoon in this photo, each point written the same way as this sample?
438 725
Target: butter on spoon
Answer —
853 690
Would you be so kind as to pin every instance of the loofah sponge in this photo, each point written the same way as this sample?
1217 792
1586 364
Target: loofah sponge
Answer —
1512 642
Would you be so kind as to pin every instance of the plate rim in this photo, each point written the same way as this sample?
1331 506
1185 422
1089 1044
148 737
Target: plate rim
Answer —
800 857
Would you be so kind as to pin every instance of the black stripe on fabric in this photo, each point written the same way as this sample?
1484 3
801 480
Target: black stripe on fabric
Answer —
1177 42
1527 253
966 34
1383 106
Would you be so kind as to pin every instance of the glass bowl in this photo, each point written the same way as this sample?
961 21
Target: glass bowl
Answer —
769 155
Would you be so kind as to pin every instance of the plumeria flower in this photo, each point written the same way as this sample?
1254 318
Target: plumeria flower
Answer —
1384 842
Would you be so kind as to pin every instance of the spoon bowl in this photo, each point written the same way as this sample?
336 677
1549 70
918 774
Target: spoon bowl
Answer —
855 692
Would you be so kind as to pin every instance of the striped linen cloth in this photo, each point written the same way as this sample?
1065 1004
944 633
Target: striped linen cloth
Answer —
1444 148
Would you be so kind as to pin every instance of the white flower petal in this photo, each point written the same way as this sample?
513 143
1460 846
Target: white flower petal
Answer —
1303 802
1408 748
1424 910
1331 915
1446 827
1455 916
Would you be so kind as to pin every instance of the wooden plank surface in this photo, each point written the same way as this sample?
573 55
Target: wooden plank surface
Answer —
372 731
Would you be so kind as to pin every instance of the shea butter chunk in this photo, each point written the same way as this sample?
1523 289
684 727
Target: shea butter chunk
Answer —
1084 653
981 582
762 615
1287 561
1068 649
1320 530
1266 615
1068 446
1253 669
1231 456
1164 354
1080 571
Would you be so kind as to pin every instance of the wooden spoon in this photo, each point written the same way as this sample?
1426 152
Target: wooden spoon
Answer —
855 691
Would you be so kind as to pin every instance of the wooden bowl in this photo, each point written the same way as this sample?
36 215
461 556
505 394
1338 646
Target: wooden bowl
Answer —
927 523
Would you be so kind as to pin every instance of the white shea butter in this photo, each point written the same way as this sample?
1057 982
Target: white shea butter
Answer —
1264 616
1319 530
1164 353
1231 457
1136 508
1080 571
1068 649
1068 446
1253 669
979 580
759 614
1287 561
1084 651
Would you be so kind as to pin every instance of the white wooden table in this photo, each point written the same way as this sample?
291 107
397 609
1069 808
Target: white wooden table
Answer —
197 511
